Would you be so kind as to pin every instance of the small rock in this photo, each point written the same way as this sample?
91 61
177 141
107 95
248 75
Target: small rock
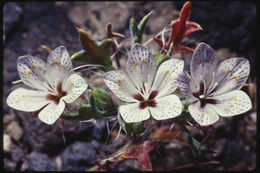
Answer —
95 144
218 147
14 130
232 153
96 22
8 118
9 165
78 156
12 67
24 166
58 162
7 143
17 153
41 162
253 116
12 14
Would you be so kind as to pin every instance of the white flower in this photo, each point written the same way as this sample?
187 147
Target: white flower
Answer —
52 85
213 89
146 91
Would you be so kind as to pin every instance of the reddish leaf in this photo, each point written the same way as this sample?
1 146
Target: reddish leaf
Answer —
191 27
185 12
141 153
111 34
182 49
157 40
168 134
182 26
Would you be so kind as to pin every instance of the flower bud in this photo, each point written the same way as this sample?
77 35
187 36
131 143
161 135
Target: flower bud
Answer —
101 103
134 130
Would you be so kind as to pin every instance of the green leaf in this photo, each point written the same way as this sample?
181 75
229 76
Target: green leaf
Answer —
160 58
143 22
94 52
185 104
136 31
82 112
169 53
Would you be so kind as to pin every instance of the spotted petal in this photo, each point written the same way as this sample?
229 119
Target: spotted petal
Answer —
141 66
203 64
27 100
231 74
120 85
204 116
165 80
233 103
166 107
186 85
59 66
61 57
132 113
51 112
74 86
31 71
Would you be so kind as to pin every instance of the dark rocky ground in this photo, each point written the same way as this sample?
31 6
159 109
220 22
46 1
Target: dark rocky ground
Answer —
230 28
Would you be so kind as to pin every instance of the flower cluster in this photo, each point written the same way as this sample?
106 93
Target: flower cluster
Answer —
147 89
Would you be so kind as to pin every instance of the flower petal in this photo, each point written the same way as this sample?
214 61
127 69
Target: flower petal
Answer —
74 86
31 71
187 87
27 100
51 112
204 116
132 113
141 66
120 85
165 80
166 107
203 64
233 103
59 66
231 74
61 57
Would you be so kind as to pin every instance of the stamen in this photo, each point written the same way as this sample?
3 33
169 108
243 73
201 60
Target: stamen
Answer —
149 84
142 88
201 96
213 84
146 88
